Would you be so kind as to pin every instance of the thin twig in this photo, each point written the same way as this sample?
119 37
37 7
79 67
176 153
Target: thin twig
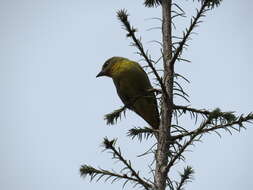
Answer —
224 126
123 16
187 108
194 23
93 172
193 136
128 165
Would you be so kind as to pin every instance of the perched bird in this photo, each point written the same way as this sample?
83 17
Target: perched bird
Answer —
133 87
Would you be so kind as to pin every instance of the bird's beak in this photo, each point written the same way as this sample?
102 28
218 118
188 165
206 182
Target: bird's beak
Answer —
101 73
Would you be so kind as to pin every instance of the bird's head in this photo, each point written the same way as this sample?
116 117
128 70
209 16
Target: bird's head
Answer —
111 67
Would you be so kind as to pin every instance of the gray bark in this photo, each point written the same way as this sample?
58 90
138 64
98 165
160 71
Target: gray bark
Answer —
167 100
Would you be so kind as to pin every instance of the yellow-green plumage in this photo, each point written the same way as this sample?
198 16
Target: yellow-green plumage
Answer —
133 87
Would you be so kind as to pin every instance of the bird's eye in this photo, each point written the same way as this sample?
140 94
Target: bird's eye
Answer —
105 64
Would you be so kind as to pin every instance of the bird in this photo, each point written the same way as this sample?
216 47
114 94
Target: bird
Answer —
133 87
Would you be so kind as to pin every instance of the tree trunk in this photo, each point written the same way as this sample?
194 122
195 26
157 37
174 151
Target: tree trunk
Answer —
167 100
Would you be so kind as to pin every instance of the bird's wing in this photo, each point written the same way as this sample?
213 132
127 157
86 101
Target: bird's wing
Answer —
132 88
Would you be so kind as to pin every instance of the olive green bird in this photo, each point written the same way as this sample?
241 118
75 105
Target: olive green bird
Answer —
133 87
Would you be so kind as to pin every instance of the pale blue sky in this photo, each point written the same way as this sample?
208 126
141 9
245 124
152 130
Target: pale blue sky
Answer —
52 106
